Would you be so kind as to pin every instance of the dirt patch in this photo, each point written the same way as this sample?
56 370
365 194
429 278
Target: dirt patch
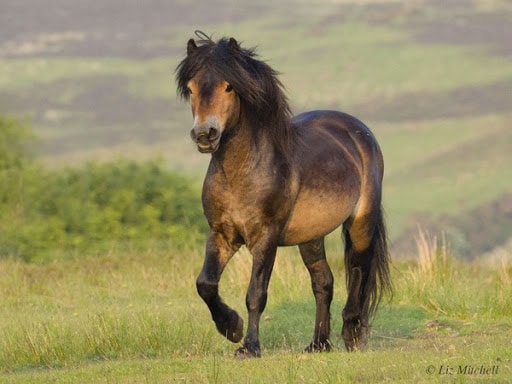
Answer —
133 28
103 104
99 99
456 22
467 27
461 102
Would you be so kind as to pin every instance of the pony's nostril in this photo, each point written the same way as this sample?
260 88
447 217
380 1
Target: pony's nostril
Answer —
213 133
205 136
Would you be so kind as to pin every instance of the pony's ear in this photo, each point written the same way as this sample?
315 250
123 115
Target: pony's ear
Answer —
191 46
233 44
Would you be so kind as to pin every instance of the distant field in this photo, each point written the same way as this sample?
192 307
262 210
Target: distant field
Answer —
433 80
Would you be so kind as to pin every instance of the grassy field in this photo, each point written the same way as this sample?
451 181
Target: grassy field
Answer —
130 318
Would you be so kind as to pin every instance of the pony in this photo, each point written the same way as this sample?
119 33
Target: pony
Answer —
276 180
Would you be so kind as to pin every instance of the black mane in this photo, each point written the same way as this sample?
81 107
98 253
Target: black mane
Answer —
262 98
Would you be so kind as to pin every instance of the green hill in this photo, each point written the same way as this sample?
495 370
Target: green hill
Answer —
432 79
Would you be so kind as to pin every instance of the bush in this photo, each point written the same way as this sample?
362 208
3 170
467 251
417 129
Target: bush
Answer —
13 138
90 208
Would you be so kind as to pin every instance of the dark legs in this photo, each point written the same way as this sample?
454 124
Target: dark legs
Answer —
218 253
264 254
367 270
355 314
313 254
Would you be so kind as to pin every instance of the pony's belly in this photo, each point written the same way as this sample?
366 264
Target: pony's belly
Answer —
312 219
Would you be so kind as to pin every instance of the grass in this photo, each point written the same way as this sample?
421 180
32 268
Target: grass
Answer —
136 317
336 367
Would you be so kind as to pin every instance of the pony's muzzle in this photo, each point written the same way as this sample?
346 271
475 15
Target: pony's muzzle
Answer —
206 138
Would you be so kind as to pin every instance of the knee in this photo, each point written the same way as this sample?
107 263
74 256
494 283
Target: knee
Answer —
206 288
256 301
328 281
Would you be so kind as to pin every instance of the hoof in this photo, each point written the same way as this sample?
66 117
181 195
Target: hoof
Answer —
355 336
318 347
247 351
233 329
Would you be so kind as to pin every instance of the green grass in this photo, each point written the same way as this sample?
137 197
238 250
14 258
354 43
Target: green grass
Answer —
336 367
136 318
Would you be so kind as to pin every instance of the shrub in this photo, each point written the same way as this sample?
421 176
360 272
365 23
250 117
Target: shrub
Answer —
13 139
99 205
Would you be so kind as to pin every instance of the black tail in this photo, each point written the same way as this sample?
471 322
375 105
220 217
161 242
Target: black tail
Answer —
379 267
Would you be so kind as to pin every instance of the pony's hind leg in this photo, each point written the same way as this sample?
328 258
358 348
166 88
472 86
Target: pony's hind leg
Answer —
367 270
313 254
355 317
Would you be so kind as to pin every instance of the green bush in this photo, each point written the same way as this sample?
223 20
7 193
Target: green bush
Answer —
99 205
13 139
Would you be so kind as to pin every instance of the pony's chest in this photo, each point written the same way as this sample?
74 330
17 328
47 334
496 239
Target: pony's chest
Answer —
242 203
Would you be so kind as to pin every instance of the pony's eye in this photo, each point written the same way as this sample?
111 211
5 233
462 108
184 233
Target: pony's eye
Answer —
229 88
189 91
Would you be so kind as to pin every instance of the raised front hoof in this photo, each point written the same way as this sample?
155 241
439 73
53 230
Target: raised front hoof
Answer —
233 328
355 335
318 347
248 351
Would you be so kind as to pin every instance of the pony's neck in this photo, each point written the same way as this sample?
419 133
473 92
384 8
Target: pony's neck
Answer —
248 146
276 132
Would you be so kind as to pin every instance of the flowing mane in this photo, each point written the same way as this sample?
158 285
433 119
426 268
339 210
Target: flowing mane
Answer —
263 102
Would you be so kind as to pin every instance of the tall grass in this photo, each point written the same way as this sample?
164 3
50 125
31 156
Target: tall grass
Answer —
444 285
109 307
433 262
120 307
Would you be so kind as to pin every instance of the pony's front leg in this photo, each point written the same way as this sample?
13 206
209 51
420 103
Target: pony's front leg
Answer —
218 252
263 261
313 255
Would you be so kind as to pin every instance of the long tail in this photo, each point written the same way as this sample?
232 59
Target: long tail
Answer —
379 283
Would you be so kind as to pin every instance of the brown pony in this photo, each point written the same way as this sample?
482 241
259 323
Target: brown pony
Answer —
276 181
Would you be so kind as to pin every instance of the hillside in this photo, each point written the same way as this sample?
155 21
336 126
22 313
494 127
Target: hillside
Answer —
432 79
